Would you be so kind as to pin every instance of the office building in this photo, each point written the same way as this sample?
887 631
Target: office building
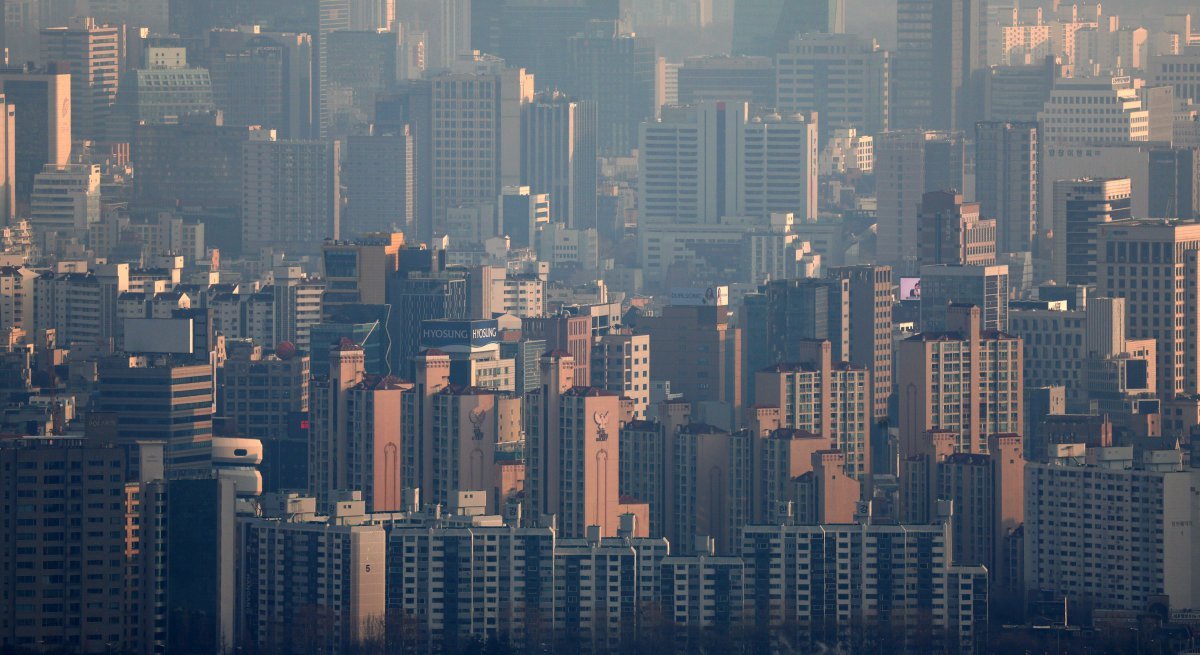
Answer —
764 27
570 334
1088 111
418 298
729 79
1080 207
186 571
150 400
871 328
311 582
558 158
698 349
844 78
42 99
951 232
817 395
264 79
1174 185
291 193
411 106
1130 551
522 215
941 52
1007 158
95 56
380 175
909 164
65 199
687 177
986 287
965 380
1131 257
616 70
167 89
477 126
1017 94
8 161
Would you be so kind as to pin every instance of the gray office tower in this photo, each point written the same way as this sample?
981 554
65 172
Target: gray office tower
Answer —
1006 181
937 70
765 27
559 156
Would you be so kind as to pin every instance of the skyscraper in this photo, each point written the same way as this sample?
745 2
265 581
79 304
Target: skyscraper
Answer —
616 71
764 27
1080 207
95 55
716 160
477 126
909 164
937 68
380 177
291 193
559 157
263 79
985 287
845 78
951 231
1007 158
42 100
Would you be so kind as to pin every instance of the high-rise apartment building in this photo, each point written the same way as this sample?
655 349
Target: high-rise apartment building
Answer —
1128 551
161 400
1080 207
1007 158
95 55
965 380
331 571
621 364
1088 111
66 590
572 450
8 161
941 52
355 438
477 130
909 164
898 577
42 99
844 78
711 482
871 328
558 157
706 163
291 193
986 287
764 27
819 396
617 71
952 231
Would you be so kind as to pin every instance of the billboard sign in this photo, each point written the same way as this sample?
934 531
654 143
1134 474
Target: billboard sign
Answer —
159 336
910 288
700 296
440 333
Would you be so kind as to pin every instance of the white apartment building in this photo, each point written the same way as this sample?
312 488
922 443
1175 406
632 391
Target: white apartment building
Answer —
1111 535
65 198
